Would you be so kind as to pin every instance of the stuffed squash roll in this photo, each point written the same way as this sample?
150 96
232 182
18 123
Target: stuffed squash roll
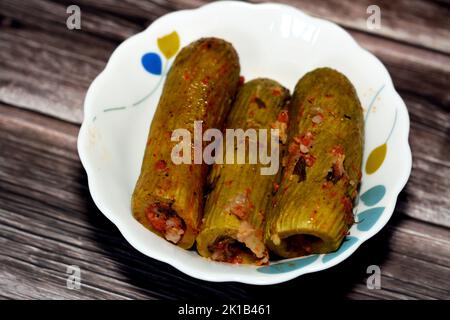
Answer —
232 229
200 86
312 210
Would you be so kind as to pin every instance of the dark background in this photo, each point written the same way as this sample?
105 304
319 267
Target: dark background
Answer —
48 220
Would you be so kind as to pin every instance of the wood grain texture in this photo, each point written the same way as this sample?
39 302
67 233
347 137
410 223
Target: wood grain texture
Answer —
420 23
48 220
48 73
52 16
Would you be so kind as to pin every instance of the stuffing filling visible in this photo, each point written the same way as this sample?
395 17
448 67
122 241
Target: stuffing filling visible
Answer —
241 206
226 249
252 239
165 220
247 246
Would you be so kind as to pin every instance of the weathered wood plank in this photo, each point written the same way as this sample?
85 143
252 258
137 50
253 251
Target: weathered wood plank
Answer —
142 12
38 73
421 23
426 194
47 67
416 71
16 282
47 15
48 221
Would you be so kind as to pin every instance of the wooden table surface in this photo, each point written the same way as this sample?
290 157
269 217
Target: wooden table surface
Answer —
48 220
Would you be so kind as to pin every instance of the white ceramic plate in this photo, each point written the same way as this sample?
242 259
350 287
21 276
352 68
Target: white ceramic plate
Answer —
275 41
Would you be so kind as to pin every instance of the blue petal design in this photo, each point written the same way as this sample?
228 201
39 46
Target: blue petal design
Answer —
287 266
348 242
368 218
372 196
152 63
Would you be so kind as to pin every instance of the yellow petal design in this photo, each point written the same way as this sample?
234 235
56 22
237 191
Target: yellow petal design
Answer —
376 158
169 44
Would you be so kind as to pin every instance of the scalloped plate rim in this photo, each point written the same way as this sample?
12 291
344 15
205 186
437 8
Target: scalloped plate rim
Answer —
266 279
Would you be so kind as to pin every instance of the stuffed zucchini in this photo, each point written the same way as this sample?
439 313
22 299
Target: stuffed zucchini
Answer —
312 210
232 230
200 86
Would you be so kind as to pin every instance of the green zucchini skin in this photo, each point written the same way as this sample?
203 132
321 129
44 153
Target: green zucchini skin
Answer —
200 86
235 207
312 210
